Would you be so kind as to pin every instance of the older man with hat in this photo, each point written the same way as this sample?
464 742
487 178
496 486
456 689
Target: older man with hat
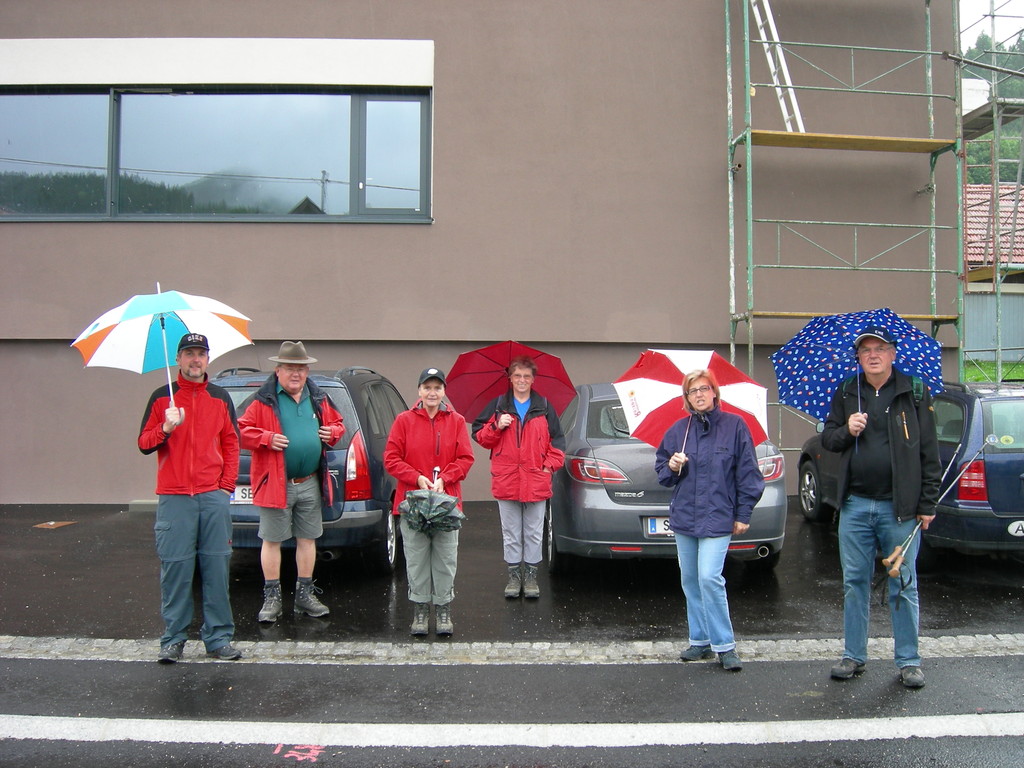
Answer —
882 422
192 431
288 427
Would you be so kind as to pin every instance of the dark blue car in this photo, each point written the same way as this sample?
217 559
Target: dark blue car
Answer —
362 516
981 446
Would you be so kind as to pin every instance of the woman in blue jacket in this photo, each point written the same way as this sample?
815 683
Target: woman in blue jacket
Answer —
709 457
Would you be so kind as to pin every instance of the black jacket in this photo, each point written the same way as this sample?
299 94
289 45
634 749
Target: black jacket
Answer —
916 470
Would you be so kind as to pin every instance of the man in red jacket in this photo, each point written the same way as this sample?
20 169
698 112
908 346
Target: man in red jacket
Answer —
196 442
288 427
522 432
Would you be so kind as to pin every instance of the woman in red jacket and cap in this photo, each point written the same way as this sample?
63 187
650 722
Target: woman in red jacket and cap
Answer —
429 449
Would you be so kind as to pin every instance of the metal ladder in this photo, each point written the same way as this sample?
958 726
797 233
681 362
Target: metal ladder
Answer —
776 55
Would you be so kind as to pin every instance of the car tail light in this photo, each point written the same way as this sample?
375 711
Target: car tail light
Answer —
357 471
973 485
771 467
595 471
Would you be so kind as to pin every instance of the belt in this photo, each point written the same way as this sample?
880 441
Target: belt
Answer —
298 480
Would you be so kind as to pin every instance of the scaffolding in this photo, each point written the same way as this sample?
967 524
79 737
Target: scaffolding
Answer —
803 251
993 216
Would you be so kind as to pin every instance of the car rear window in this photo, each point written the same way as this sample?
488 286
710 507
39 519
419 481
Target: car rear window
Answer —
949 421
242 396
606 421
1005 420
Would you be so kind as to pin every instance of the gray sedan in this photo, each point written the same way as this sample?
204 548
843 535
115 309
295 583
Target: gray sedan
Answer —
607 502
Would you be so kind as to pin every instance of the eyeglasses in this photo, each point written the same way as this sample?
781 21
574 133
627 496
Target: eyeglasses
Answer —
699 390
874 350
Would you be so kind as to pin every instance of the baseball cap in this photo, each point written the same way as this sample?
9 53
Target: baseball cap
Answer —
875 331
432 373
194 340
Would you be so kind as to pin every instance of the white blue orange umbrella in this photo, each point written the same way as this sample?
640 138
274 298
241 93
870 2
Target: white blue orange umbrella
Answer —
142 334
651 392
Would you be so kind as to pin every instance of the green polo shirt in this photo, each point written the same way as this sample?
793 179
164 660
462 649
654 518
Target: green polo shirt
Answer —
300 425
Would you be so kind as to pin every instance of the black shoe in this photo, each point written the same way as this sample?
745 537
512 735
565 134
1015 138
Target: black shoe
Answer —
171 652
225 653
697 653
912 677
846 668
730 661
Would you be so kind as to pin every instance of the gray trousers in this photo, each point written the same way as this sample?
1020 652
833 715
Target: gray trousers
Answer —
190 528
430 564
522 530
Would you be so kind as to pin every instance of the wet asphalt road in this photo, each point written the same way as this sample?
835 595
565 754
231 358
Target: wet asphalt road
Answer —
98 578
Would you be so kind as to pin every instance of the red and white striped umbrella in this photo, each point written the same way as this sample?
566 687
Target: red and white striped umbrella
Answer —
651 392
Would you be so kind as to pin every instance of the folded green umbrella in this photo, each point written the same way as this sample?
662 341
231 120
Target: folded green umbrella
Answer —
430 511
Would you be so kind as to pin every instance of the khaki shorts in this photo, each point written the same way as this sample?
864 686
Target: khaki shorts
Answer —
301 519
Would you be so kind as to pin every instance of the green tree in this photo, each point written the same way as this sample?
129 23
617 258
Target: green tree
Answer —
1003 86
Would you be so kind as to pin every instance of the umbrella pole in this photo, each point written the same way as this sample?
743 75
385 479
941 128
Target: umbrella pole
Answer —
856 440
685 435
167 362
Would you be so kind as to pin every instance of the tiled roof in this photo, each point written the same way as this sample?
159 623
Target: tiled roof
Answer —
978 224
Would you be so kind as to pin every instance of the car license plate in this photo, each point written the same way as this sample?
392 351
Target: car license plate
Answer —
242 495
658 526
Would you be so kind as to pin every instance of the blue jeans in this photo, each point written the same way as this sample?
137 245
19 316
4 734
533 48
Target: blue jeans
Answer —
865 526
707 608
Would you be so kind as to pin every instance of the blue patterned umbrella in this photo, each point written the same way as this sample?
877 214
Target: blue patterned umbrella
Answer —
811 365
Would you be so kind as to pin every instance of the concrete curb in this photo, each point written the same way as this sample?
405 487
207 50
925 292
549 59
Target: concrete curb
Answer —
448 652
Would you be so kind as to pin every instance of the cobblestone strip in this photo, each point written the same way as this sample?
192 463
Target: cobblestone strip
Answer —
447 652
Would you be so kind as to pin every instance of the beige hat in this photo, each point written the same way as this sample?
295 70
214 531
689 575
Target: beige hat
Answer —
293 352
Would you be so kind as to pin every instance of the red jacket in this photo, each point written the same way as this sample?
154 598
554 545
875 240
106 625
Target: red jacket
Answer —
524 454
201 454
418 443
260 422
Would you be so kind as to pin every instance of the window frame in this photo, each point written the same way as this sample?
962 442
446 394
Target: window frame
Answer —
358 210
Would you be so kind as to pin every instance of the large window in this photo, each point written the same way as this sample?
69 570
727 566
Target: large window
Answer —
170 153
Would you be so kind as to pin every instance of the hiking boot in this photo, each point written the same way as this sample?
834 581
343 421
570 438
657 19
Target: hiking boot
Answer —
272 603
846 668
531 589
697 653
306 600
912 677
730 661
171 652
225 653
420 619
515 581
443 619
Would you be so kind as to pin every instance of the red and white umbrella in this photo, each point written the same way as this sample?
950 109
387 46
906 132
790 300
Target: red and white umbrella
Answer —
651 392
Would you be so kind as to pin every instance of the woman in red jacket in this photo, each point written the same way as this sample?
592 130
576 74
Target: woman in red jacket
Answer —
429 449
522 432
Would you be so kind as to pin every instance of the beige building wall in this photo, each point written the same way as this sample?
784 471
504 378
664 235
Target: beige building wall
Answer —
579 203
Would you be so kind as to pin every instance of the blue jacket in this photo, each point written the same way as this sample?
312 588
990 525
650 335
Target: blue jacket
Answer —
720 483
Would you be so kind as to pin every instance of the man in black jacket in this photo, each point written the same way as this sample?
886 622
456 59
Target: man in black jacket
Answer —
883 424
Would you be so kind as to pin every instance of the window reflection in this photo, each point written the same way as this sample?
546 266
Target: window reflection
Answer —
393 154
53 153
271 154
211 154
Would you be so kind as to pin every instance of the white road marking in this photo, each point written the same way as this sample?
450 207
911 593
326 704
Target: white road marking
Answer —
601 735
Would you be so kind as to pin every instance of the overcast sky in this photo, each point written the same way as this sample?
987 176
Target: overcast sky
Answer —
1009 16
